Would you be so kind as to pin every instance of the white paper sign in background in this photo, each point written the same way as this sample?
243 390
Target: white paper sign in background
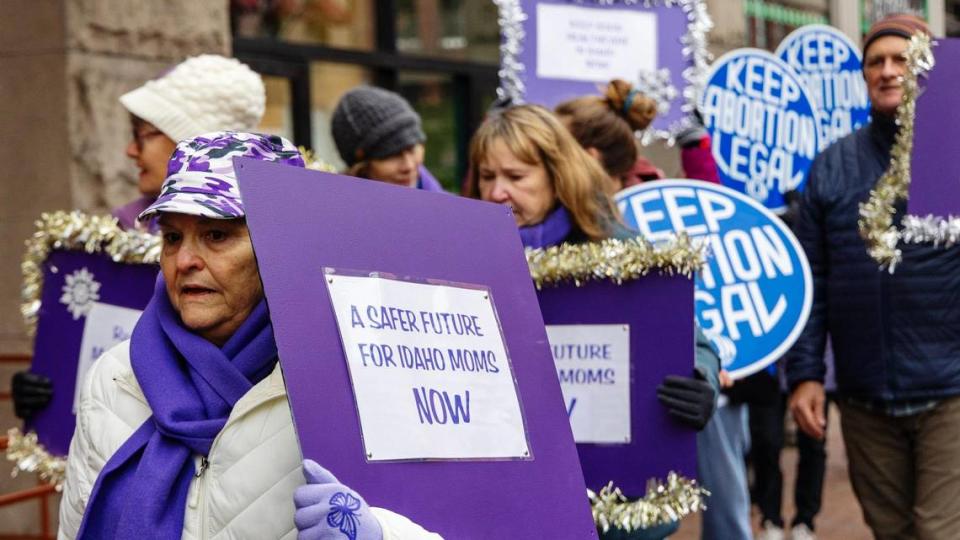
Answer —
106 326
429 369
590 44
593 363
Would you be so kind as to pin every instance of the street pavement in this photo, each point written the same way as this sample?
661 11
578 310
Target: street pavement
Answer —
840 517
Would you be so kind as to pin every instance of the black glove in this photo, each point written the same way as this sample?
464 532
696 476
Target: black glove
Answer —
689 400
31 393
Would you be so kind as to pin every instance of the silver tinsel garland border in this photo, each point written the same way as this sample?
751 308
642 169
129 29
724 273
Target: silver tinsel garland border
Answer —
75 231
82 232
876 214
614 260
511 17
31 457
936 230
664 502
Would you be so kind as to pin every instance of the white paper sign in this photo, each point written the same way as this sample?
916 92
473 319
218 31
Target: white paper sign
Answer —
429 369
106 326
587 44
593 363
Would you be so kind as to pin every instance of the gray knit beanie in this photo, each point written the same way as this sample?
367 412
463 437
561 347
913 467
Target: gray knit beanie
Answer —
373 123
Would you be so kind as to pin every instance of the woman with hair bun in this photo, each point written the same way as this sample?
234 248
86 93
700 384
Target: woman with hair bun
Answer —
605 127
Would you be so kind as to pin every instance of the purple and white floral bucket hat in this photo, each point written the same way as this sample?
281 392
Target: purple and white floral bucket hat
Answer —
200 176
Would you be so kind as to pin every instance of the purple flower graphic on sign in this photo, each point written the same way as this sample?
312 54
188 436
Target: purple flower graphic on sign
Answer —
343 513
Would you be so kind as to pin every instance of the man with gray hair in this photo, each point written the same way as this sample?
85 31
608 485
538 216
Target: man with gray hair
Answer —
896 337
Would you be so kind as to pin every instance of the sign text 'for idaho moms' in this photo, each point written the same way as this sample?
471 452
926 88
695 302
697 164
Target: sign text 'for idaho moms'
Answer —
429 368
593 363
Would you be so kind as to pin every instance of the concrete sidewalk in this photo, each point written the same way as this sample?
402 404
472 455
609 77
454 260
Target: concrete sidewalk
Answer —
840 517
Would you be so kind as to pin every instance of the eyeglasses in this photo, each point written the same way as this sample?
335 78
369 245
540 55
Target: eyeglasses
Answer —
142 135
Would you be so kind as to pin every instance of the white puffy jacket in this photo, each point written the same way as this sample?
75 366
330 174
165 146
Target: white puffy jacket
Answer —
254 465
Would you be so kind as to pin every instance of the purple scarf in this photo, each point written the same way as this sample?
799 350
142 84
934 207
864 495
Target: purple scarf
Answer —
550 232
428 182
191 386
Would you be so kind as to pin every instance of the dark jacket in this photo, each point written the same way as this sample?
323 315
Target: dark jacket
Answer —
895 336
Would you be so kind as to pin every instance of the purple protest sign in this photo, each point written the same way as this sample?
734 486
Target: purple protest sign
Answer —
935 174
303 221
556 50
658 310
74 282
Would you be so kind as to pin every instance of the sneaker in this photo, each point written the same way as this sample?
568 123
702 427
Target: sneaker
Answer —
800 531
769 531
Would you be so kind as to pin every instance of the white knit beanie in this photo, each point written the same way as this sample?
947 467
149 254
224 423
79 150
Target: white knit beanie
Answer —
201 94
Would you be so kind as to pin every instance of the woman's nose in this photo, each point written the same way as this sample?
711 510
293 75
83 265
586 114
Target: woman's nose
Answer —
409 161
132 150
500 193
188 258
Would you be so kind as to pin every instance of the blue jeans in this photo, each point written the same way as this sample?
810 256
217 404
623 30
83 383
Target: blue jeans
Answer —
721 448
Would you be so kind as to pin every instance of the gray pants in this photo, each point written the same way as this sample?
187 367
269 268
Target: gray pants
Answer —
906 470
721 448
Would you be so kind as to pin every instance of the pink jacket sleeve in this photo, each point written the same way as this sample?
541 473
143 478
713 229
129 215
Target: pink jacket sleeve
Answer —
697 161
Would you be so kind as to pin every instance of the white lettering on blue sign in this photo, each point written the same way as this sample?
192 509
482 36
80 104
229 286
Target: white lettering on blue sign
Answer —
829 66
753 296
764 125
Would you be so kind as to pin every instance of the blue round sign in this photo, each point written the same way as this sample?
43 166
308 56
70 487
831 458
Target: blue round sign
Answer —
764 125
829 65
754 294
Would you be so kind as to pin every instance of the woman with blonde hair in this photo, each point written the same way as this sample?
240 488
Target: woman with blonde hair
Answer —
525 158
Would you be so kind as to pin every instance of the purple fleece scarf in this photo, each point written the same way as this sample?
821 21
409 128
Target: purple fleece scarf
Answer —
552 231
428 182
191 386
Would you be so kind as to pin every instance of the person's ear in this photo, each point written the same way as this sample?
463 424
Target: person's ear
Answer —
594 153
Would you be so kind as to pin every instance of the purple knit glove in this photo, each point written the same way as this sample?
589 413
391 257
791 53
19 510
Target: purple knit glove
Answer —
329 510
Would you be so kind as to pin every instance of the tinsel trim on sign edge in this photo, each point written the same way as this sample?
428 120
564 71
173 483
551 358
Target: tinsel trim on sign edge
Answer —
664 503
614 260
30 456
876 214
77 231
511 17
930 229
312 162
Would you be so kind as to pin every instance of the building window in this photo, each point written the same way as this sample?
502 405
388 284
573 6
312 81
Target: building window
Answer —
872 11
952 18
442 55
768 22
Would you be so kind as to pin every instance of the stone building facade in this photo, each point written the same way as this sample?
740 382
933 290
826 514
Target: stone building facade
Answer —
63 65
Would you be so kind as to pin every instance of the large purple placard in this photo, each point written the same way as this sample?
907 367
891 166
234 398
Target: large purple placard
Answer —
659 310
670 27
935 171
302 221
61 322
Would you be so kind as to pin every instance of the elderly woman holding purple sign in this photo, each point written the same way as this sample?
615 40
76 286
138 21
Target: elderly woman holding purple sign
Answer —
184 431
